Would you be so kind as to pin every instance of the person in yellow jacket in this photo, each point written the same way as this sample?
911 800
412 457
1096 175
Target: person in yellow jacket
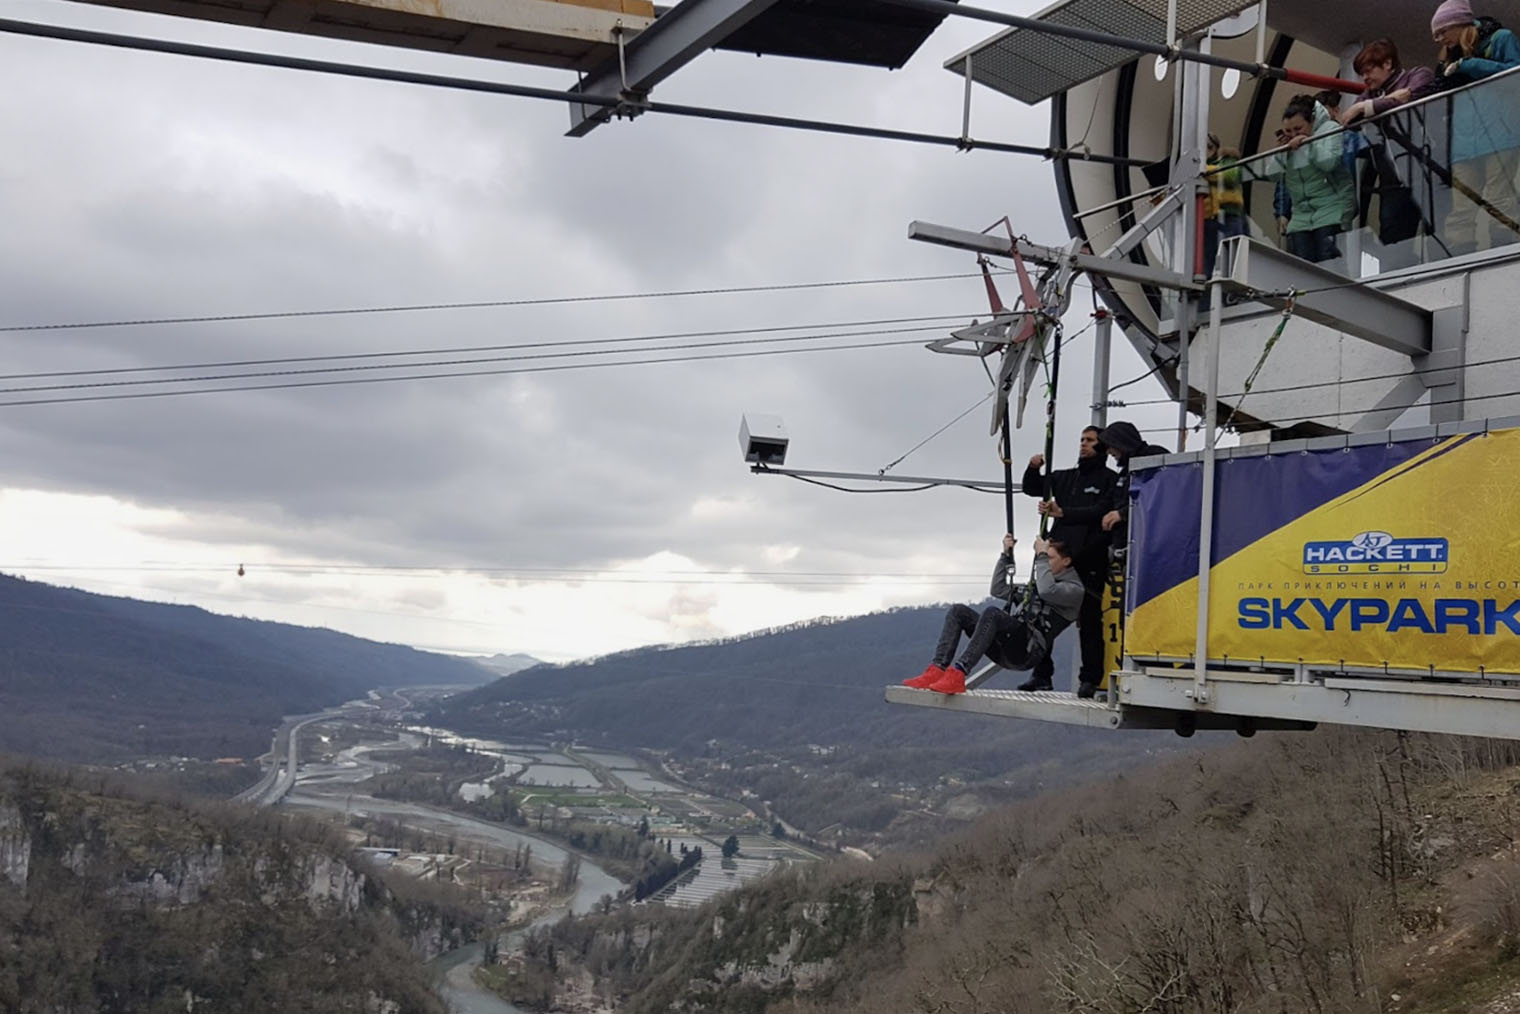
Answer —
1224 208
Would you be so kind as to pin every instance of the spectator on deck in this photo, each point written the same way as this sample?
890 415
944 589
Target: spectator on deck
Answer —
1282 202
1224 208
1485 127
1352 142
1016 638
1324 201
1390 85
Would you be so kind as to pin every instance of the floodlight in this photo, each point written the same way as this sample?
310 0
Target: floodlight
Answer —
763 439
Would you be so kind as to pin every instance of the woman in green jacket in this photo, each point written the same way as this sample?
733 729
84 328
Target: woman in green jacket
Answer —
1322 190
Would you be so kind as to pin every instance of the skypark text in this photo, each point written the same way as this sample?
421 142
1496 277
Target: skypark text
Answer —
1442 616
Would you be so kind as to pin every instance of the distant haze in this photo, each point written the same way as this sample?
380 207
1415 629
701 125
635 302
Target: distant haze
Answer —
506 665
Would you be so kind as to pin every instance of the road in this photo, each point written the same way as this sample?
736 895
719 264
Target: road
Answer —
281 776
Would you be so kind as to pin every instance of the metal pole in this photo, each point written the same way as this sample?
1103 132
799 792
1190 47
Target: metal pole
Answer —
1050 425
1261 32
1100 368
966 107
1185 311
1206 516
1185 96
1007 471
1171 22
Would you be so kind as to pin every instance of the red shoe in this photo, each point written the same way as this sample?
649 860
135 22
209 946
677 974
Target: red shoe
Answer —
927 678
953 682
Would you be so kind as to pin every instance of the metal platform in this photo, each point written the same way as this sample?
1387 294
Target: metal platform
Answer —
1041 707
1472 708
1249 702
1066 709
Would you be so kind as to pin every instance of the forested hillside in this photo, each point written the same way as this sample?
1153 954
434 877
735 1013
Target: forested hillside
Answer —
112 901
1333 872
796 716
812 683
88 677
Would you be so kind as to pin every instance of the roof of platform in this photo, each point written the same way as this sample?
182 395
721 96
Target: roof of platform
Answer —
1032 66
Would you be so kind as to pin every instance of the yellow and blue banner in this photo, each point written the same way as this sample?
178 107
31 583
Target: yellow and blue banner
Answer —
1398 555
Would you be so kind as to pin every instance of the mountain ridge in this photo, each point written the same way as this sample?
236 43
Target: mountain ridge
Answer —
98 678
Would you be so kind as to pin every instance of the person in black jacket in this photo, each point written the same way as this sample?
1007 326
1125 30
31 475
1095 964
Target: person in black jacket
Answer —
1125 444
1079 497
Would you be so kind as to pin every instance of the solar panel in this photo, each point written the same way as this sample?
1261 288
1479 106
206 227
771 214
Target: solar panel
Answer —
1032 66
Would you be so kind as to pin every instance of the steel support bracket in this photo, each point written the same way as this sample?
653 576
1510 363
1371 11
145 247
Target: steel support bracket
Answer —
675 39
1444 371
1169 205
1271 276
1001 246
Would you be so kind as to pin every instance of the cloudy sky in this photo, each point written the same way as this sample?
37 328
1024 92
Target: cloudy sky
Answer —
563 513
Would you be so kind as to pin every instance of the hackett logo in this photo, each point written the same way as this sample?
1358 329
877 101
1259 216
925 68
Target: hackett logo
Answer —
1376 553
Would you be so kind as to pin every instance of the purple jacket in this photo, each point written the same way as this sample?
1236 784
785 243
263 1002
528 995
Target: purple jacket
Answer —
1421 81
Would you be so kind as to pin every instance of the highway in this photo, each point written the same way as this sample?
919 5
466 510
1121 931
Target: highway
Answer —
281 776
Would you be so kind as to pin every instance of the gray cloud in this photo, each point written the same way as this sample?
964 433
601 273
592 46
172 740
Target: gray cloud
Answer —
151 186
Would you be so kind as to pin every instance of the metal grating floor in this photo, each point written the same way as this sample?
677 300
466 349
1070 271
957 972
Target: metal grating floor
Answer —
1031 66
1043 707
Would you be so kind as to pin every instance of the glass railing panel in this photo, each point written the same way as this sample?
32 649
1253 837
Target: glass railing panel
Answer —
1449 169
1429 181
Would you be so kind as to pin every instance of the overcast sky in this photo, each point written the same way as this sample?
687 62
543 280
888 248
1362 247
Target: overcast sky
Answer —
565 513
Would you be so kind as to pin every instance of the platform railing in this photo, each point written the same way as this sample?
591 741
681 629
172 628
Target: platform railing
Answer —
1426 182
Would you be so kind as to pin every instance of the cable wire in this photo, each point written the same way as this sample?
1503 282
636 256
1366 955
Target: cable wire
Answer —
454 362
291 385
435 570
729 290
559 343
615 105
899 460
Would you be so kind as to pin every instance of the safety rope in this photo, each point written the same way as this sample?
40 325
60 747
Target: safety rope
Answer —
1282 323
1050 419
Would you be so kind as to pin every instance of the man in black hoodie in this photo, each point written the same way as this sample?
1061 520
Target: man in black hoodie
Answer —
1079 497
1124 443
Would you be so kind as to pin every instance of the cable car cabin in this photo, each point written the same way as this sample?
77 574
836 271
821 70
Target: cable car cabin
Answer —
1354 560
1363 579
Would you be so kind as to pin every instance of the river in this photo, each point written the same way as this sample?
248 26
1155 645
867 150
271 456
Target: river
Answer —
457 985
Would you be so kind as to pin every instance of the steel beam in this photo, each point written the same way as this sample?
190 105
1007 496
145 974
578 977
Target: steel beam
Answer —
1102 345
1268 274
1000 246
1170 205
1443 371
674 40
1458 709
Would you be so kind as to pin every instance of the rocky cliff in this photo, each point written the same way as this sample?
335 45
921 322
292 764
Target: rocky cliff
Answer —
109 901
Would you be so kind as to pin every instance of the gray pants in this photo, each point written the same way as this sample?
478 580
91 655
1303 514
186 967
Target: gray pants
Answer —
1001 637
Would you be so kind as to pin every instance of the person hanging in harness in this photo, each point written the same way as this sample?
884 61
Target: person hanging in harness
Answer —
1078 498
1015 634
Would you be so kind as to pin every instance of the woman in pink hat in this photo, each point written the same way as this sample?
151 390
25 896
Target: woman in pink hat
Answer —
1485 126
